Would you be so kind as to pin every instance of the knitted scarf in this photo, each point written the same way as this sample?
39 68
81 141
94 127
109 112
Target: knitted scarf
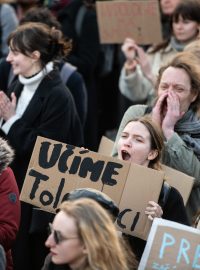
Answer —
188 128
177 45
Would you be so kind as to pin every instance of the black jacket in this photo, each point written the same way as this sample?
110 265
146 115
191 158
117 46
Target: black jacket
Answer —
86 44
51 113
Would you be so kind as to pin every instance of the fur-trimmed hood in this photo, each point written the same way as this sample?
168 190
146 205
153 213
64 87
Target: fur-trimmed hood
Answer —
6 154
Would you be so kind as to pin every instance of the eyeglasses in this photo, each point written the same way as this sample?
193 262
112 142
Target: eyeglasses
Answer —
57 235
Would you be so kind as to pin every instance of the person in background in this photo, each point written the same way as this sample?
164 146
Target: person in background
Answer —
138 76
69 74
79 23
55 6
22 6
10 205
167 8
8 23
176 111
141 142
83 236
36 104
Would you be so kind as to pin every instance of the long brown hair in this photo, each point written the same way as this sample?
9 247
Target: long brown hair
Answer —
35 36
157 141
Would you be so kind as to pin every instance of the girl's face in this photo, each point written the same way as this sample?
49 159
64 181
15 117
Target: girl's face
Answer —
185 30
70 250
135 144
22 64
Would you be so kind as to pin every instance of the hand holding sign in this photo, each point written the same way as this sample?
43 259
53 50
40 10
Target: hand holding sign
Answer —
153 210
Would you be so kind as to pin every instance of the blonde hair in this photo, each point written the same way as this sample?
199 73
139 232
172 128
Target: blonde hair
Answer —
194 47
96 230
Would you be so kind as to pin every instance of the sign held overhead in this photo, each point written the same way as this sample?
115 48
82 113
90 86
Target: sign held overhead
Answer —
139 20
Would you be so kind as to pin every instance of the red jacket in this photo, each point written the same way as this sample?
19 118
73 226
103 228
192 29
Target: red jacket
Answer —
9 213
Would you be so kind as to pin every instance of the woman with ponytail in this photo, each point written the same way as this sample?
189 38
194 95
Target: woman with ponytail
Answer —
36 104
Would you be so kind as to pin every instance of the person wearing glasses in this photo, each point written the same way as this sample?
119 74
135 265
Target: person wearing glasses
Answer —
83 236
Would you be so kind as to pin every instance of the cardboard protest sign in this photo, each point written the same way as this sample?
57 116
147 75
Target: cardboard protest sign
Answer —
105 146
181 181
171 245
139 20
56 168
142 185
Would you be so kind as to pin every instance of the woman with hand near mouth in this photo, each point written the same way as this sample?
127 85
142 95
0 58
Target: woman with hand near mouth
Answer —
141 142
176 111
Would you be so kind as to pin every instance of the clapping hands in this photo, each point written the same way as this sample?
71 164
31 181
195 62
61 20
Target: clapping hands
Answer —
7 106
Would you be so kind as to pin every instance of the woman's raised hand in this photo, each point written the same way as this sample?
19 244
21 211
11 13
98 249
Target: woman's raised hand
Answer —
143 60
129 49
158 109
173 114
153 210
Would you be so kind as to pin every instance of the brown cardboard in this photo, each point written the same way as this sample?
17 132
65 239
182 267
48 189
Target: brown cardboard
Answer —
62 168
181 181
142 185
171 245
139 20
105 146
49 194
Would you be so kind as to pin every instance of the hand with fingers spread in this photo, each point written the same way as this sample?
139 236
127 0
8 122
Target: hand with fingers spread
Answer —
153 210
172 115
7 106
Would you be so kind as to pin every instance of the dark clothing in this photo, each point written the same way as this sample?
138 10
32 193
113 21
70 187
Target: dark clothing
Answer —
69 75
51 113
49 265
9 214
86 44
75 83
173 210
84 56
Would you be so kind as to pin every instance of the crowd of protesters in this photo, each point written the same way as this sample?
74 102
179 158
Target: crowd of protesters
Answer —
53 84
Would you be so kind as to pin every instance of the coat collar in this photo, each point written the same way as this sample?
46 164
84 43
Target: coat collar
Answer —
50 81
